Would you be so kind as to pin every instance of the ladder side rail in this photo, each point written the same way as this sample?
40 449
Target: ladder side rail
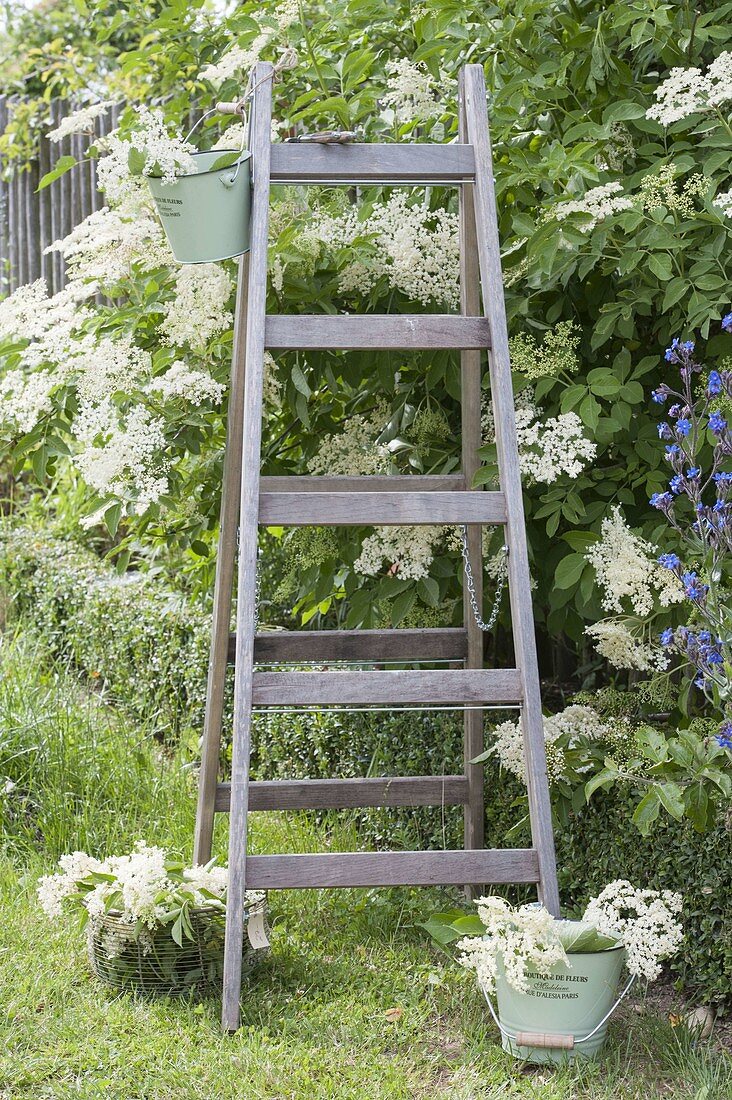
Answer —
473 98
470 387
223 589
248 526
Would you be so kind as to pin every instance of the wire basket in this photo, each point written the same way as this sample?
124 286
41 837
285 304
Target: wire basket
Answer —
150 962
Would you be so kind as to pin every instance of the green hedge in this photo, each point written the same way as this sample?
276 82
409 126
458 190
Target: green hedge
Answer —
148 648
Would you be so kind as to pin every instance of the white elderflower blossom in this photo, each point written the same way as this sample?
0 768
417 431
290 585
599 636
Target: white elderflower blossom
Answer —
105 365
416 249
408 551
618 644
599 203
575 722
687 92
723 202
526 939
79 122
113 172
24 398
410 91
198 310
626 568
421 248
121 456
547 449
647 922
103 248
166 155
194 386
233 137
239 59
355 451
550 448
20 311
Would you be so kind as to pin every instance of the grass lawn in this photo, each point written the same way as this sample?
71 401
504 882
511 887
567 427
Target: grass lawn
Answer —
353 1001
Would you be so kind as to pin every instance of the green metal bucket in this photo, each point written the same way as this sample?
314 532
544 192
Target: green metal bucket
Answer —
206 215
565 1013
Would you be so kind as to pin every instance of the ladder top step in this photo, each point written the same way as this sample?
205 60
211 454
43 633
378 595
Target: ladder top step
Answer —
364 331
448 868
292 162
338 509
342 794
454 687
302 646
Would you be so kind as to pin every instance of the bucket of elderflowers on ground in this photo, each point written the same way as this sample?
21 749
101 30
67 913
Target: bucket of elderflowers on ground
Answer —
557 982
154 925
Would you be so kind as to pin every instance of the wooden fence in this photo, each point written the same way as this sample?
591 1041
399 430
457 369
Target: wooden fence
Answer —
29 220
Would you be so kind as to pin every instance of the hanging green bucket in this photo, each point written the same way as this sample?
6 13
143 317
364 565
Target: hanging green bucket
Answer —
206 215
564 1014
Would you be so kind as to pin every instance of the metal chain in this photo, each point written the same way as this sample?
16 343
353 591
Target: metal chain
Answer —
470 583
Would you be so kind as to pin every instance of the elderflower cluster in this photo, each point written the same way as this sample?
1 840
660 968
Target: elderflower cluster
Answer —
407 552
199 309
79 122
166 155
414 248
626 568
647 921
410 91
661 189
550 448
624 647
547 449
573 725
355 451
194 386
122 454
598 203
24 398
145 888
524 939
104 248
239 59
687 92
557 353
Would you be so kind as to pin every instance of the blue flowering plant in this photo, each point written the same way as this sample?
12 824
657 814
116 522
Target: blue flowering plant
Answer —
698 505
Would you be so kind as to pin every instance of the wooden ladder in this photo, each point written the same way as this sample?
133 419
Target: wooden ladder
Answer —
250 500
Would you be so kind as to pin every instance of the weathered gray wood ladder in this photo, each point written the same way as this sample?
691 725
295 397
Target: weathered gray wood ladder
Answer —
249 501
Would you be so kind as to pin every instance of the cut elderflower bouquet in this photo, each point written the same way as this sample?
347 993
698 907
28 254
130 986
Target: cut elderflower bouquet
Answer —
148 889
528 938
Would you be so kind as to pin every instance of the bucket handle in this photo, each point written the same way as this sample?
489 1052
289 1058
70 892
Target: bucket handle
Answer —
540 1039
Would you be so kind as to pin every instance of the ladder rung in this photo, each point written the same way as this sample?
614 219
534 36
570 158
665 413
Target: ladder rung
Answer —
360 332
366 483
380 509
422 686
371 163
450 868
343 794
430 644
